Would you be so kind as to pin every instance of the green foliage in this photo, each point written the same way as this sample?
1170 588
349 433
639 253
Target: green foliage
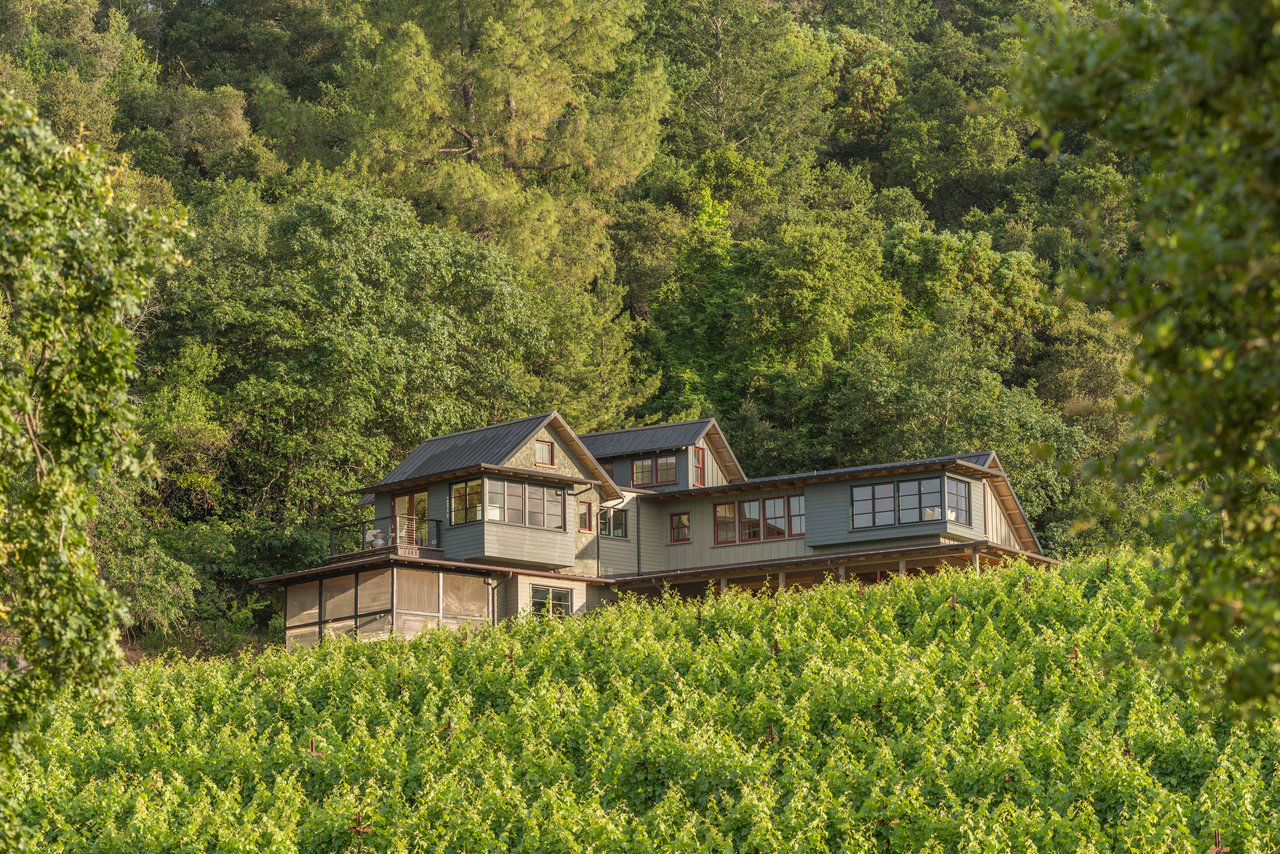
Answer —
1202 296
75 267
834 719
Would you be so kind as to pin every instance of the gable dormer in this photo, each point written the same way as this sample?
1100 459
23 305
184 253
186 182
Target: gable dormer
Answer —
667 457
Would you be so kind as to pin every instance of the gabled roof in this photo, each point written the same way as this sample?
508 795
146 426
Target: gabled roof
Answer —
661 437
487 448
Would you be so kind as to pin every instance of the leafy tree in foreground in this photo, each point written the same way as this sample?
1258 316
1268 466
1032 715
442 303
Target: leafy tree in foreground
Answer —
74 270
1192 88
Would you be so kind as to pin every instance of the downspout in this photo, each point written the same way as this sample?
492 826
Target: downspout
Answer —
637 535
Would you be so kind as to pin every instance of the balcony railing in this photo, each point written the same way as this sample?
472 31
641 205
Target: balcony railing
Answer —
403 533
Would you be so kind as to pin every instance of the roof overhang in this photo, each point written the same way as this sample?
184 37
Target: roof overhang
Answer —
719 446
608 489
835 560
386 561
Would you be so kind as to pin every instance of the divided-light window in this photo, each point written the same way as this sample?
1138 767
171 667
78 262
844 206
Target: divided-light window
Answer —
742 522
680 527
699 467
465 499
586 518
658 469
613 523
903 503
544 452
958 501
551 601
525 504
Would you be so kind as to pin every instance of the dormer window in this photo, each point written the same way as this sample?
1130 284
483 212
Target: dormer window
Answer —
699 467
659 469
544 452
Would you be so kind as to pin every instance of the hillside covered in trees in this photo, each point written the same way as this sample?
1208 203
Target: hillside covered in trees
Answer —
831 226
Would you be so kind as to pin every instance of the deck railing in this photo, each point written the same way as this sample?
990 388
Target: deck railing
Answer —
382 532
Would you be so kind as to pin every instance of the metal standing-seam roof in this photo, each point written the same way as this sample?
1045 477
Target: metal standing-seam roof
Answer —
492 445
639 440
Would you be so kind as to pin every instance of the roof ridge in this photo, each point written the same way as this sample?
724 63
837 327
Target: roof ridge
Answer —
487 427
646 427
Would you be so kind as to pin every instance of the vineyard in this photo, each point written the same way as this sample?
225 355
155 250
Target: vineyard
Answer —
1006 712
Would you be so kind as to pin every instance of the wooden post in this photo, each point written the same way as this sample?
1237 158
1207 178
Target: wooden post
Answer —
782 580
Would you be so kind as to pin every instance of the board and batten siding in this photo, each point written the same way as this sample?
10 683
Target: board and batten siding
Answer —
701 549
829 513
518 593
715 474
998 528
618 556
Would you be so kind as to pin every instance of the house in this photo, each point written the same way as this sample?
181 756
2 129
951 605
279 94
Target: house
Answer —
478 526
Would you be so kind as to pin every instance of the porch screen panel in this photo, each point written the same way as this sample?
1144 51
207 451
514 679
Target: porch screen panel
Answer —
302 603
375 591
466 596
339 628
305 636
412 624
378 626
417 590
339 597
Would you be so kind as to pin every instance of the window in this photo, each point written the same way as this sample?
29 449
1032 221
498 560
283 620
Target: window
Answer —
642 471
666 469
552 601
613 523
873 506
544 452
903 503
919 501
679 527
748 521
699 467
795 516
775 518
525 504
465 499
585 516
958 501
726 523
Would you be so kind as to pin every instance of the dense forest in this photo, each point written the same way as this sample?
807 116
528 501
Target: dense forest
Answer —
831 226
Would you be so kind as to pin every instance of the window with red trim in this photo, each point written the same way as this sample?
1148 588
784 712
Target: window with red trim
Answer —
544 452
642 471
775 518
726 523
699 467
795 516
585 517
680 527
749 521
666 465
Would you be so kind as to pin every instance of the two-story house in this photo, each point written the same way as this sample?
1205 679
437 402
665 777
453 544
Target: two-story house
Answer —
478 526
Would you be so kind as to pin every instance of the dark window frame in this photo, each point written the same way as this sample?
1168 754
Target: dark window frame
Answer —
608 523
964 515
468 505
550 608
687 527
527 504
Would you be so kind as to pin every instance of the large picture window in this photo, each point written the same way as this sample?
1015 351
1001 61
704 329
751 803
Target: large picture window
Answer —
465 499
613 523
903 503
525 504
958 501
551 601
